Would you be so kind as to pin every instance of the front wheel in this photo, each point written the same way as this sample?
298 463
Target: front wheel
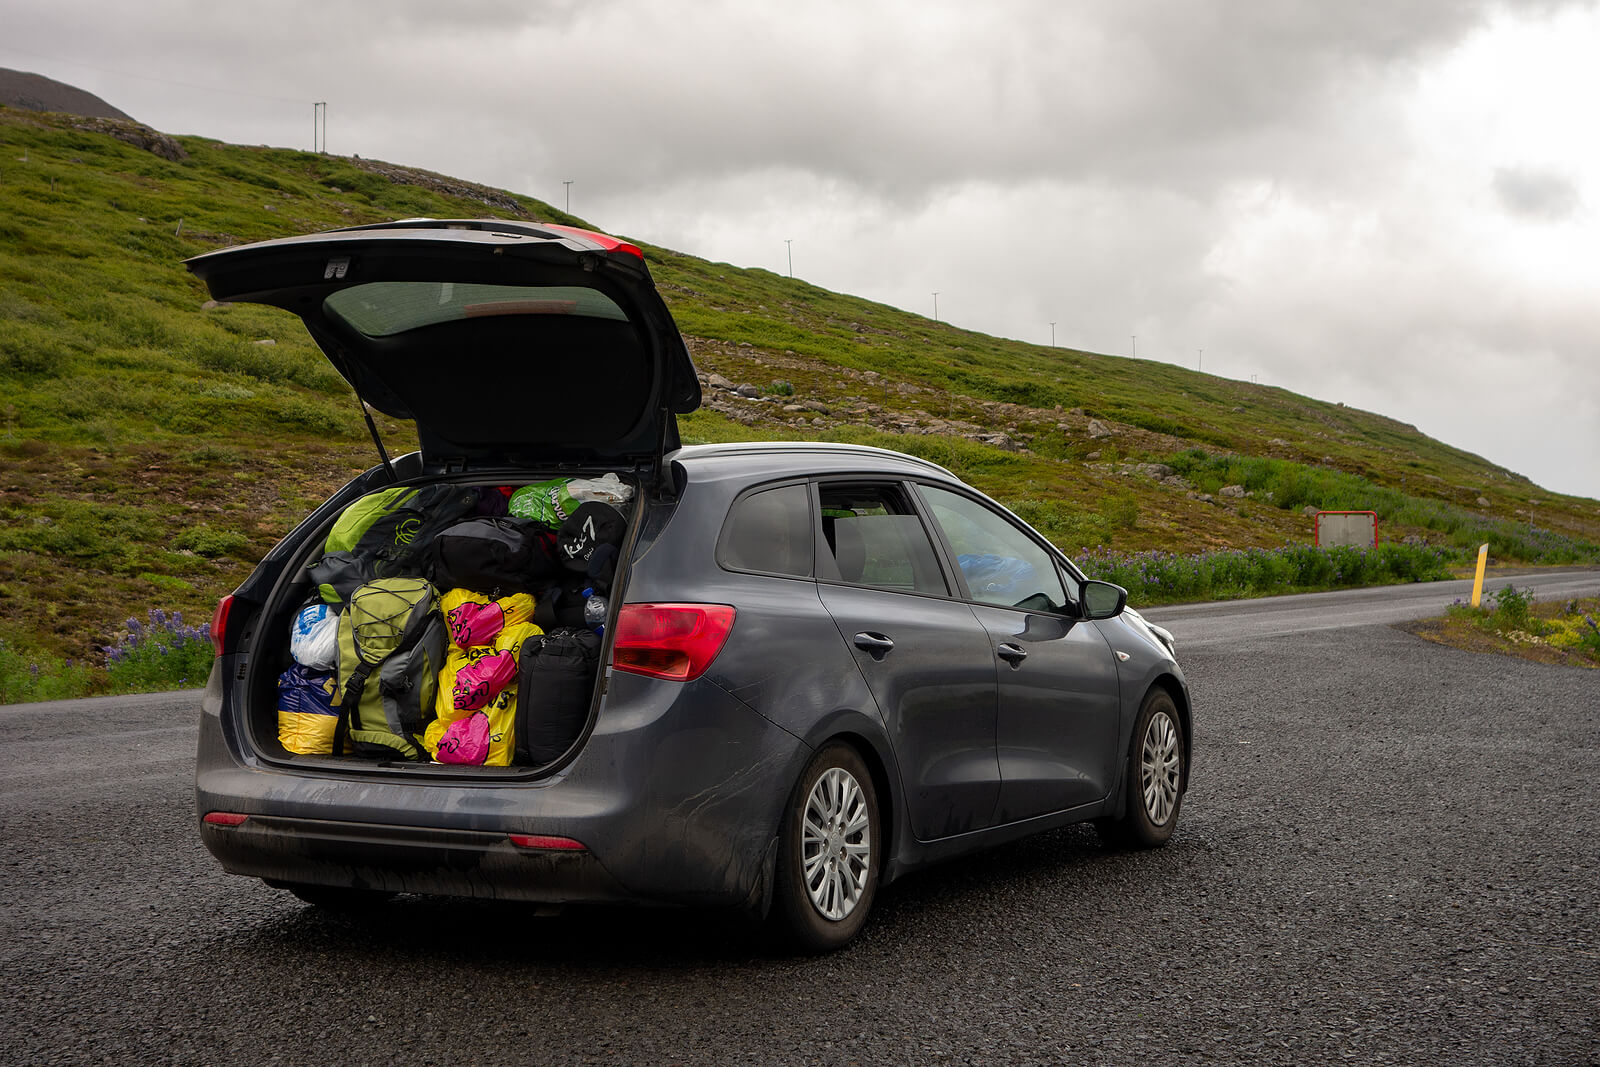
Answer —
1155 777
829 852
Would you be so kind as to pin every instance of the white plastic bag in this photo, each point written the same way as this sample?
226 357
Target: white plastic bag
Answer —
608 490
314 638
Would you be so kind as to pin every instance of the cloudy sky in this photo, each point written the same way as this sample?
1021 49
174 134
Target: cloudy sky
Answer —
1388 203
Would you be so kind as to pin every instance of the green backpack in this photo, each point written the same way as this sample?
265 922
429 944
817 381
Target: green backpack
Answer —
391 647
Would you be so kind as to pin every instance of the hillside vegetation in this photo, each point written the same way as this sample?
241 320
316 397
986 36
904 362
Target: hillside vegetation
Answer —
153 447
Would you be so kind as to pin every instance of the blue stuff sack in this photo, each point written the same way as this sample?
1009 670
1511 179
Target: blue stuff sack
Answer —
306 715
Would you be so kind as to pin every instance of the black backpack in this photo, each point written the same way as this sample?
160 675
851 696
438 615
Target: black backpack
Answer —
387 534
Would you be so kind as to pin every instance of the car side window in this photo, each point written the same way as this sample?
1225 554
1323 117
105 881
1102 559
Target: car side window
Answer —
1000 563
770 532
873 537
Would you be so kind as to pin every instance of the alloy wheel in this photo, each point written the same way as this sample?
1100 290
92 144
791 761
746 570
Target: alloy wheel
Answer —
836 843
1159 768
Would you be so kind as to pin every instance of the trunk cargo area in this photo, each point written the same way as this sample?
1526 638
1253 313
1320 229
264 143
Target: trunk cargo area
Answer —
441 628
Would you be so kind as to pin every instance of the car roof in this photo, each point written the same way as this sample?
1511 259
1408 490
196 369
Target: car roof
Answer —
762 458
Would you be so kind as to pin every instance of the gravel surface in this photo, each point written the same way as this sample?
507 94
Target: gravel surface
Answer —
1387 855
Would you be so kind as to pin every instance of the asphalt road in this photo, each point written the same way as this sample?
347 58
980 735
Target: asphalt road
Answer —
1387 855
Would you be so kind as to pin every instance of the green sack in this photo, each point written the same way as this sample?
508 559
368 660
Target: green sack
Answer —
545 502
391 648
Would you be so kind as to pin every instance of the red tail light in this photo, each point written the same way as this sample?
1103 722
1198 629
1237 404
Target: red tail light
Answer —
545 842
673 641
219 624
225 818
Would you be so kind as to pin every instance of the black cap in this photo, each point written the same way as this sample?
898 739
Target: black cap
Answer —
591 525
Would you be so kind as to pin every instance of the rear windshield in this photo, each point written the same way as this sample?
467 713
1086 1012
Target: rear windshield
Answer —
382 309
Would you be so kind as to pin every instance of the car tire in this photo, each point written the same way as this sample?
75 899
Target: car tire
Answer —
1155 778
830 851
335 898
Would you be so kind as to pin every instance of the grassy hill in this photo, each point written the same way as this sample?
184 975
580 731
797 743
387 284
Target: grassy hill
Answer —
152 447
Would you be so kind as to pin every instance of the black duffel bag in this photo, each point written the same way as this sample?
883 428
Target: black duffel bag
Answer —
555 683
493 555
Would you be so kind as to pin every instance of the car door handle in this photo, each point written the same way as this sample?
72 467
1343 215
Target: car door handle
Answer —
877 645
1012 654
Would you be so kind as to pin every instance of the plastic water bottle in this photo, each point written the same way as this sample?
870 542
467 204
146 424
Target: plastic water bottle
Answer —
594 611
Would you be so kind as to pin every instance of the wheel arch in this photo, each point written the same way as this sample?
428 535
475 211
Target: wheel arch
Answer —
863 734
888 801
803 920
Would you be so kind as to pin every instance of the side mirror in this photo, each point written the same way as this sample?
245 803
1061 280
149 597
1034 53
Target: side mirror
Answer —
1102 600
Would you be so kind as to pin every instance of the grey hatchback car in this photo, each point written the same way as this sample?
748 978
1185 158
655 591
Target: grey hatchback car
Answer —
819 666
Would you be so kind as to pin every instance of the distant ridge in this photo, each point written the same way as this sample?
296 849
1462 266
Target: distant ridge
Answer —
35 92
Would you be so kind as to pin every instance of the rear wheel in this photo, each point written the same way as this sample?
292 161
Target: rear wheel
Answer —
829 852
1155 777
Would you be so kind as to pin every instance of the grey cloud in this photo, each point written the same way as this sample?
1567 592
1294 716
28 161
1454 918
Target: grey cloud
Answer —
1538 195
1188 97
898 98
349 27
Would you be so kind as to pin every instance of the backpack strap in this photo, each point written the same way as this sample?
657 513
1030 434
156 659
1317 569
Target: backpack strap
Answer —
348 701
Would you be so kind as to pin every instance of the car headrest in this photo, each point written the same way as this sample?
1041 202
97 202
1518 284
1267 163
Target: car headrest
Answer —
849 548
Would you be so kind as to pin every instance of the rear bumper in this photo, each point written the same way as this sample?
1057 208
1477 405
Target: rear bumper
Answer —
676 797
408 859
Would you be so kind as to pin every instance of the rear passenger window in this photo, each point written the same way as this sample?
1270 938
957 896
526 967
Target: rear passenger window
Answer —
769 532
873 537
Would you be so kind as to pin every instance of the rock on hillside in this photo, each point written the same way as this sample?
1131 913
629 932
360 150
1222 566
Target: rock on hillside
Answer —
35 92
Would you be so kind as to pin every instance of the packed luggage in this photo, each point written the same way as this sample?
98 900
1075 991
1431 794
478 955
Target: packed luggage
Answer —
557 670
306 691
387 534
306 715
391 647
455 624
479 679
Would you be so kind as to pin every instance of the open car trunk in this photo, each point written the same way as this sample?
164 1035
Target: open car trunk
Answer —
509 684
525 353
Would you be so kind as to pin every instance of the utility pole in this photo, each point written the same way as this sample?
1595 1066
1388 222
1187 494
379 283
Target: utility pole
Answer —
568 185
936 306
788 243
319 126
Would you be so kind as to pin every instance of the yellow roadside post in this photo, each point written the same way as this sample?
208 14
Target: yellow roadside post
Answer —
1477 583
